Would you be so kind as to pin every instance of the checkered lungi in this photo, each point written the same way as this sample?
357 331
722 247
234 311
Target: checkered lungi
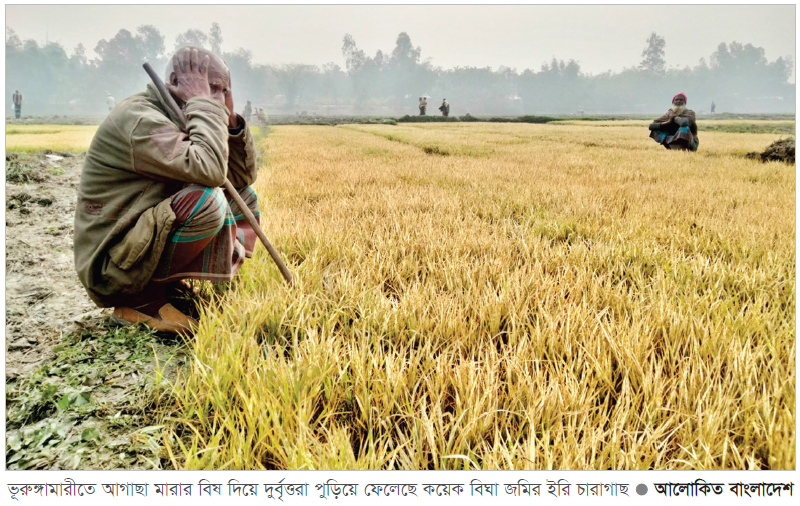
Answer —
210 237
667 135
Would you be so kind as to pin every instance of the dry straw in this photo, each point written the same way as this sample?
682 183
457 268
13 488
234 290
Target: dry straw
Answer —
502 296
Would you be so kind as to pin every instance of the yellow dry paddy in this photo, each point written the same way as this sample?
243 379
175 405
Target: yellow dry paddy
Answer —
75 138
505 296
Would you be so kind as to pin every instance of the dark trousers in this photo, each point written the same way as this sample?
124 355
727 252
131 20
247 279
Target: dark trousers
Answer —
17 110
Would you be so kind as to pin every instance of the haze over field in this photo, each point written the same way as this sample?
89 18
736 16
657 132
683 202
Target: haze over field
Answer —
487 60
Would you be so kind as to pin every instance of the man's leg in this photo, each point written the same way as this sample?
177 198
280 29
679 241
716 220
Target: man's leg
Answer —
209 241
210 237
199 216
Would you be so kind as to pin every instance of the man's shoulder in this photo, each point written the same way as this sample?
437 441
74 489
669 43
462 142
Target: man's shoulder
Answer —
137 105
132 111
128 114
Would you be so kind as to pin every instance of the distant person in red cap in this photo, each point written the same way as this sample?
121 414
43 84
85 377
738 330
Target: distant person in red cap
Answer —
677 129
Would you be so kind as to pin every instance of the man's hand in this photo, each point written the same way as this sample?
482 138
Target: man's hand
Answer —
233 119
190 78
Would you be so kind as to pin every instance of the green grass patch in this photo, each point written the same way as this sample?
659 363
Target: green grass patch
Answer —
749 128
83 408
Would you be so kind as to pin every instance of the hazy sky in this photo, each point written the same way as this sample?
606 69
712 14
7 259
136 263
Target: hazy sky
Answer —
599 37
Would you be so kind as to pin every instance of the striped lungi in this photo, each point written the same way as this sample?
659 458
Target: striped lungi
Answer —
665 137
210 237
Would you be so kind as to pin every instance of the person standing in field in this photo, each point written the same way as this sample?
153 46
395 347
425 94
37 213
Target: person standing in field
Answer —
150 211
110 102
677 128
261 114
248 110
445 108
17 99
713 107
423 105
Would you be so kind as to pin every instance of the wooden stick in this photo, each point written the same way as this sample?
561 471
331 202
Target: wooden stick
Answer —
248 215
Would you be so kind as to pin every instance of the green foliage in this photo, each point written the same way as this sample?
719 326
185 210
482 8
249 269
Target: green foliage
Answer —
474 119
99 386
748 128
427 119
22 170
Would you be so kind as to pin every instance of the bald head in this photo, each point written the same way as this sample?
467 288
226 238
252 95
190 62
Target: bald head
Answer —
217 65
219 79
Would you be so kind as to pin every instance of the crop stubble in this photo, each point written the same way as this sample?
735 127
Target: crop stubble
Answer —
505 296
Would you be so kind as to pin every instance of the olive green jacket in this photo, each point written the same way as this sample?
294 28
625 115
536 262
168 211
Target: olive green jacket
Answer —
137 161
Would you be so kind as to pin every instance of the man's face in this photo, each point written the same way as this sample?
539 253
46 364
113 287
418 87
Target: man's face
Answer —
679 101
219 81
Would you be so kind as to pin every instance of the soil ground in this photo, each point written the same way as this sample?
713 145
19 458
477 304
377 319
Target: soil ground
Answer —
80 393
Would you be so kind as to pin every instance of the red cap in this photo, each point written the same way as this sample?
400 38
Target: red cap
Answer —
685 100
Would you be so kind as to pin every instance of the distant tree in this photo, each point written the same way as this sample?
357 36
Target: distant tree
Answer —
119 61
152 43
41 73
215 38
332 82
79 54
12 39
191 37
292 79
653 55
403 71
248 80
558 87
783 67
118 66
404 53
364 72
742 73
738 57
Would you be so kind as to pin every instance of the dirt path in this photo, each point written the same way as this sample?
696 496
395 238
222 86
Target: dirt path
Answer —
79 393
43 294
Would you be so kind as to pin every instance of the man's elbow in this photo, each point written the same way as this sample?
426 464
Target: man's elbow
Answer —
209 175
216 179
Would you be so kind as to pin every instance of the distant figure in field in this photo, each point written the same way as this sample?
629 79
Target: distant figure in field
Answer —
110 102
423 105
445 108
677 129
248 110
261 115
713 107
17 99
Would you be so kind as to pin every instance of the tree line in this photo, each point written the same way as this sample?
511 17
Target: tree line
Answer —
738 77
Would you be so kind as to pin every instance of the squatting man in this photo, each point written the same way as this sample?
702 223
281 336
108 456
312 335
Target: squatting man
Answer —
677 128
150 212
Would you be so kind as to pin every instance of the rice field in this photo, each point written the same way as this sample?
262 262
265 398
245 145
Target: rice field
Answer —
504 296
499 296
29 138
